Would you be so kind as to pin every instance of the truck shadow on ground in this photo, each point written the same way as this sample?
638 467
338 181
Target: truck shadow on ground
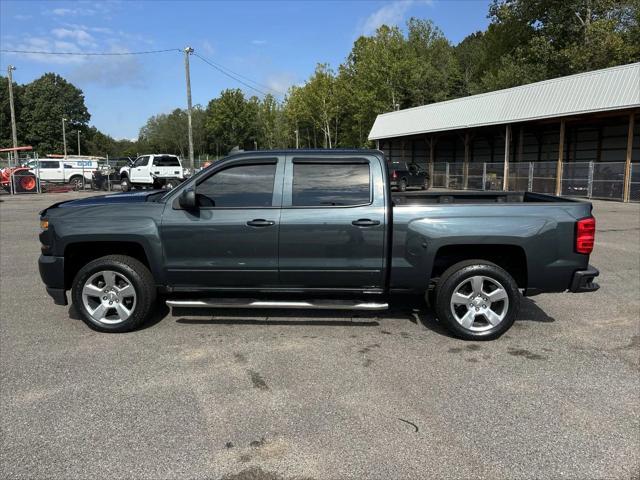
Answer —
412 310
415 312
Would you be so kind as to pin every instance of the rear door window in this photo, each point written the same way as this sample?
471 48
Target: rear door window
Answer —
330 184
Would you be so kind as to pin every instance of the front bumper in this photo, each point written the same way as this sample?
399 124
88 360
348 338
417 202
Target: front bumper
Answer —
583 280
52 274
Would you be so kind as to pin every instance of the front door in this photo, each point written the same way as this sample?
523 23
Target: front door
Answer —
140 170
231 240
332 226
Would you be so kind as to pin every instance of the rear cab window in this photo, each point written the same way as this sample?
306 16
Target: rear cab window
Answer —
166 161
326 184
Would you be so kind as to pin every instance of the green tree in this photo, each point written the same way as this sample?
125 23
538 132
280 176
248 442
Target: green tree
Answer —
231 121
45 101
6 139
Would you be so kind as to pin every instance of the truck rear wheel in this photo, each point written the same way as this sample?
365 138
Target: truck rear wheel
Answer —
477 300
77 182
115 293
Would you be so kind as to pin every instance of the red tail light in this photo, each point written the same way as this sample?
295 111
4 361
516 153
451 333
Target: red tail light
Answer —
394 175
585 235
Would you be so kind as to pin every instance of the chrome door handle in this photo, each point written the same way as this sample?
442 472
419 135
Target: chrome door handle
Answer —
260 222
365 222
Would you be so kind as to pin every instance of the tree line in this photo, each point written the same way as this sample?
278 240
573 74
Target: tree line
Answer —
395 68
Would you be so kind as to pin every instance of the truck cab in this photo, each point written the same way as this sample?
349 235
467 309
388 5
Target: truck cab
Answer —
159 170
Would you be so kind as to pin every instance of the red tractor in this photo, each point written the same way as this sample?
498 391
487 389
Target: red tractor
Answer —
18 179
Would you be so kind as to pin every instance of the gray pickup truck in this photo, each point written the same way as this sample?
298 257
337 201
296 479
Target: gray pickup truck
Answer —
313 229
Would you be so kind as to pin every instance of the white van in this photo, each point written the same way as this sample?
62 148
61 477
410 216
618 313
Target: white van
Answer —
64 170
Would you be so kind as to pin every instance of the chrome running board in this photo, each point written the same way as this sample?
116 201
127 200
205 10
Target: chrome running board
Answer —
253 303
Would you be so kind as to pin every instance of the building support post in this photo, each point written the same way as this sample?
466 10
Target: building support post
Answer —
559 167
432 153
627 167
507 149
465 165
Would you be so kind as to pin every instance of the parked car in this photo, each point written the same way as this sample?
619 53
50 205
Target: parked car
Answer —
155 171
403 176
313 229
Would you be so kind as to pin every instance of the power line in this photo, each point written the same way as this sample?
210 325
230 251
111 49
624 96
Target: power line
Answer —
234 76
224 70
90 54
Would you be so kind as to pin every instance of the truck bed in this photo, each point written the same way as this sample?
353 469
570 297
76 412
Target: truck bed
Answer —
430 198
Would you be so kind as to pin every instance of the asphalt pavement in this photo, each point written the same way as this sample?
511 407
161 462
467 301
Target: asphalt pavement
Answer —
272 395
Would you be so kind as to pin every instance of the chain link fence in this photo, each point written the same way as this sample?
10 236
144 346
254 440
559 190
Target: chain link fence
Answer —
634 186
603 180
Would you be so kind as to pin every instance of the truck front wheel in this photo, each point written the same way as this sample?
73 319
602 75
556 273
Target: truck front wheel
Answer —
125 185
115 293
477 300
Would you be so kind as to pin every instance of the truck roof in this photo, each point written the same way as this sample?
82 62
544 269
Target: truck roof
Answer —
310 151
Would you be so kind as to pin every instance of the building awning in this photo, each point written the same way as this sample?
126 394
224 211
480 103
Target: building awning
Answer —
615 88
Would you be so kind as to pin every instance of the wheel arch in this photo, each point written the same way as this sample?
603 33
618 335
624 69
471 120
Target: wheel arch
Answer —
511 258
78 254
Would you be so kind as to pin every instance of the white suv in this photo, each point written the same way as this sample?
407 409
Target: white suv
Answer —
159 170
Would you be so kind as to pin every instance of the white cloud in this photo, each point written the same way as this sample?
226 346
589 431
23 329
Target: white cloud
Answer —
280 82
22 17
113 71
80 36
391 14
259 42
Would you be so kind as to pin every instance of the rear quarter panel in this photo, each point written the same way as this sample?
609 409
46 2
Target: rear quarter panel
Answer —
544 231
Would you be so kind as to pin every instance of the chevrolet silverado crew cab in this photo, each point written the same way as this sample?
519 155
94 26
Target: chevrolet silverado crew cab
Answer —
313 229
154 171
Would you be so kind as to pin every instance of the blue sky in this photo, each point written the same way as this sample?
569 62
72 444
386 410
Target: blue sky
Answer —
276 44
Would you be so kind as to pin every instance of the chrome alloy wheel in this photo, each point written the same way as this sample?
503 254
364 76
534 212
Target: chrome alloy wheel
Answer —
479 303
109 297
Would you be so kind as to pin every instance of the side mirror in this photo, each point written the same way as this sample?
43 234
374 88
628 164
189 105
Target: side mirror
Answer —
188 199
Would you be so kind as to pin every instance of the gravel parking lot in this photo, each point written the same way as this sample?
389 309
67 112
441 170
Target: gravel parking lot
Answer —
267 395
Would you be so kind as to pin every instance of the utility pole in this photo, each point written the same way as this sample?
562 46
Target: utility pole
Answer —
296 130
14 135
64 137
188 51
78 142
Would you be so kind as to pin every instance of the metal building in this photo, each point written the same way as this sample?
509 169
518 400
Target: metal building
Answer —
576 135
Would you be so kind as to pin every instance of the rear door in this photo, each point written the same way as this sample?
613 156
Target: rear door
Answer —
50 170
332 225
231 241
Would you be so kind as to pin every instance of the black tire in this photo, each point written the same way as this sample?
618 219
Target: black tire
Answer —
19 182
402 185
481 328
77 182
171 184
125 184
138 276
